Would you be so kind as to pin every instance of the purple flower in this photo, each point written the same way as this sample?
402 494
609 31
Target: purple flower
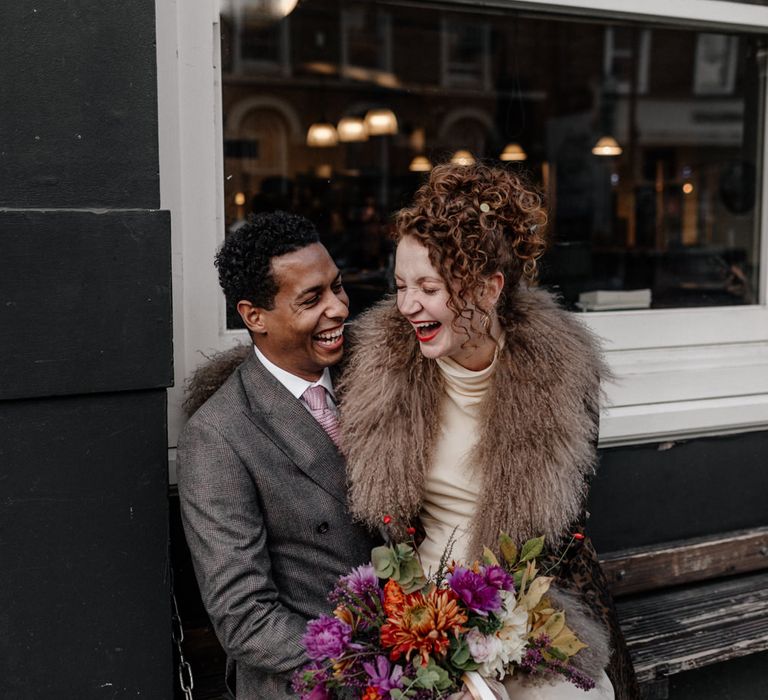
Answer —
361 580
326 638
474 592
359 591
384 676
498 578
319 692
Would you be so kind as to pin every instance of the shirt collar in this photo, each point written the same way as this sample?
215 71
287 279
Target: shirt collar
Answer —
296 385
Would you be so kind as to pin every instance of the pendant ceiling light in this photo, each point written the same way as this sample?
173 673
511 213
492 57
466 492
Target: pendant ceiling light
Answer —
271 9
607 146
352 129
462 157
381 122
322 135
420 164
513 151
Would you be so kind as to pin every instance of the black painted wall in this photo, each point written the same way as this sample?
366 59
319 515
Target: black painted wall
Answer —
644 495
85 355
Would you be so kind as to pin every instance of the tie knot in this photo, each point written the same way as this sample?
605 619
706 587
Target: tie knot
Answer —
315 398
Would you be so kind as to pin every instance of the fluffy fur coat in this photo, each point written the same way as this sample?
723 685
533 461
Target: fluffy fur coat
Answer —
535 453
538 421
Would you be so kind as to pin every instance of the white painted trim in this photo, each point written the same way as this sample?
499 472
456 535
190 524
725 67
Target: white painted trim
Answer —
711 325
682 420
728 16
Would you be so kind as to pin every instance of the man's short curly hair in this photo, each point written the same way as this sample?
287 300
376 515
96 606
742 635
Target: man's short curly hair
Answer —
244 261
476 220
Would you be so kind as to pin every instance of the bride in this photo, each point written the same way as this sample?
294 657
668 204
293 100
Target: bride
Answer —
470 402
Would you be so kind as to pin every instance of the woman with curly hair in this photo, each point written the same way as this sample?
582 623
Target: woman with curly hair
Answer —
470 402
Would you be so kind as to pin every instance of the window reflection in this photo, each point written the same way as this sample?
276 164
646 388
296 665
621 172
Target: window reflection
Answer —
667 217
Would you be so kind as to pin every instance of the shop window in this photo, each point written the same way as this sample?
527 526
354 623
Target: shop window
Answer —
645 140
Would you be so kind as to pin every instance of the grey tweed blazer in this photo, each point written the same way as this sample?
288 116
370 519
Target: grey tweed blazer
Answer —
263 502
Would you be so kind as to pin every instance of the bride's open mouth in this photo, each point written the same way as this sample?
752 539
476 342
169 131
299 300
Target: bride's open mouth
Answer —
426 330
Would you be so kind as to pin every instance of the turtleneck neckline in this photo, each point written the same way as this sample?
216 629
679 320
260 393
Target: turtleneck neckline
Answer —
466 385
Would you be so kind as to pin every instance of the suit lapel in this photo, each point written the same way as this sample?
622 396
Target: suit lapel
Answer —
292 429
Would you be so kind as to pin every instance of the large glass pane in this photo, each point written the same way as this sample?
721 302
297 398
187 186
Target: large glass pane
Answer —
644 139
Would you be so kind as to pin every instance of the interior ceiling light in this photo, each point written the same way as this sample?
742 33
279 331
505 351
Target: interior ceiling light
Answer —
420 164
381 122
513 151
462 157
352 129
607 146
322 135
270 9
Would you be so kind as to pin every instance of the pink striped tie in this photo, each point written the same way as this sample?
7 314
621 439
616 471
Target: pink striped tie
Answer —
314 397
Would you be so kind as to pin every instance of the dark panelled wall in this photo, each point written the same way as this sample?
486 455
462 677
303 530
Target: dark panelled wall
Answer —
646 495
85 354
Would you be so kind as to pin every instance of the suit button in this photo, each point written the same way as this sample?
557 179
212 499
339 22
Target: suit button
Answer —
322 528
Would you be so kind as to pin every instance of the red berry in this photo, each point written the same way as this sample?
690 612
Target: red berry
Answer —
411 530
578 536
387 519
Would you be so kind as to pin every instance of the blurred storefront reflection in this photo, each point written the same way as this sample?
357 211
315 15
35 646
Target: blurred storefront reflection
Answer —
645 140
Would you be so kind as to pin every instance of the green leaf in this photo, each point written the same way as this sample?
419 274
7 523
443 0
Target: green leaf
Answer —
532 549
385 562
518 576
462 659
508 548
432 677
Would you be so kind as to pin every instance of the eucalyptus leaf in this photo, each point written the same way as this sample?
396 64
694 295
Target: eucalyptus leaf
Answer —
384 561
432 677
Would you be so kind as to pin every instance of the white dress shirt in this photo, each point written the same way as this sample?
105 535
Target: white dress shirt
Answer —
296 385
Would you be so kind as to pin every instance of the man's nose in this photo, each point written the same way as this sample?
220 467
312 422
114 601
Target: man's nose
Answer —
338 308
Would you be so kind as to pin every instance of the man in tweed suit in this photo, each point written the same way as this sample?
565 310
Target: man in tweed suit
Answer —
261 482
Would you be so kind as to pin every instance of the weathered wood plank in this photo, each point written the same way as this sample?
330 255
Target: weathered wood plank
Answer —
686 561
681 630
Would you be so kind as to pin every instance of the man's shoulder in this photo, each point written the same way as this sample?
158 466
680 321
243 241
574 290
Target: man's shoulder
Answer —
221 408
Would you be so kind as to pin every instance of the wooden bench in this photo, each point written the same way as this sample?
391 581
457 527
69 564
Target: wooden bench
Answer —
687 604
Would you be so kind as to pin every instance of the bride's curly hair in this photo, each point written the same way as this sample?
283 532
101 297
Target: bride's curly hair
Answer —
476 220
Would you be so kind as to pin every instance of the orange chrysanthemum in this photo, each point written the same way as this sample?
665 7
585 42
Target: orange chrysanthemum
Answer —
371 693
419 622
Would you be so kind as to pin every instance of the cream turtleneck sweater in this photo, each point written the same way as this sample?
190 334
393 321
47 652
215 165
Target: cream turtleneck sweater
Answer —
452 484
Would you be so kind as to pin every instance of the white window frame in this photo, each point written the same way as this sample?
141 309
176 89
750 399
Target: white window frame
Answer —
680 373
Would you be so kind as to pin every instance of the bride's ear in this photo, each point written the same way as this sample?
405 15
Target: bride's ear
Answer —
491 290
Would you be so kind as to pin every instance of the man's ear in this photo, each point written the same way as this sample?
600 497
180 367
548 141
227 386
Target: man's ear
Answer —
253 316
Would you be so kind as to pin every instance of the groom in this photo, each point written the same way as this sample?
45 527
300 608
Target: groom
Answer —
261 481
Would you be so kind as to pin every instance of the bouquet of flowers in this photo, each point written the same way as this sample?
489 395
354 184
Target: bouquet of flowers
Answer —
396 635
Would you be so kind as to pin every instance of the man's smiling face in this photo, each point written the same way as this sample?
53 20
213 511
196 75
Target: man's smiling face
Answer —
304 331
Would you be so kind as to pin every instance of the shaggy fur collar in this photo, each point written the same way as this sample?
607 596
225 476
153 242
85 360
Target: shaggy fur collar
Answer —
538 421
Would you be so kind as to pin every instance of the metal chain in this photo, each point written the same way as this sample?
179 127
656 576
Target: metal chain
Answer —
177 633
